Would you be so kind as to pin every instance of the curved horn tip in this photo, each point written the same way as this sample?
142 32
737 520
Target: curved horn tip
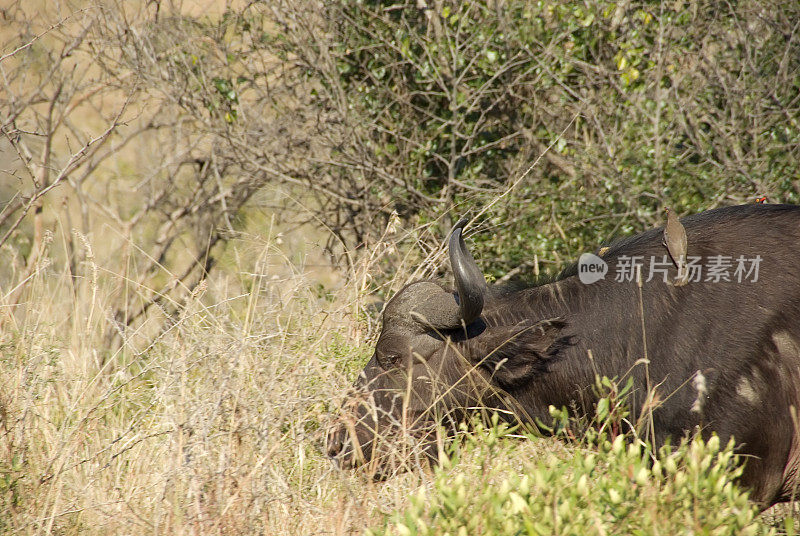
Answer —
460 224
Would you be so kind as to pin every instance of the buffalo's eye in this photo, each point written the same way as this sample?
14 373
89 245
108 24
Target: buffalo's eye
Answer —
387 360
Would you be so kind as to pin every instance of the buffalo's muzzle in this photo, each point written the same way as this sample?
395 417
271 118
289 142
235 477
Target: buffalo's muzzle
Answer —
340 448
334 443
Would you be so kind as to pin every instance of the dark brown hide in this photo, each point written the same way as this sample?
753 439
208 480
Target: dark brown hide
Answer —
529 349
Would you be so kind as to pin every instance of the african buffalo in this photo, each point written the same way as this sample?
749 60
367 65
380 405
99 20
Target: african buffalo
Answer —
720 354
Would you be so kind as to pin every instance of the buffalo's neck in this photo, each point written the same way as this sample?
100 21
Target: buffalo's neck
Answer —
596 342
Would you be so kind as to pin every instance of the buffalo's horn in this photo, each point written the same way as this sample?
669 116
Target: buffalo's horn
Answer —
470 283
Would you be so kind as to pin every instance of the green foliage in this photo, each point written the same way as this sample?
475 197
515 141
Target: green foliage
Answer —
622 106
616 487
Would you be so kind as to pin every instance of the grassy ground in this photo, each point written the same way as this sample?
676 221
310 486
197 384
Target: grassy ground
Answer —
214 428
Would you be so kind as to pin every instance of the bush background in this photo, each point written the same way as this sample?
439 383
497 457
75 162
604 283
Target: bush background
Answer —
203 204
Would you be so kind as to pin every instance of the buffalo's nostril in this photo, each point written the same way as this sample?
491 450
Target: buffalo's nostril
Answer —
335 443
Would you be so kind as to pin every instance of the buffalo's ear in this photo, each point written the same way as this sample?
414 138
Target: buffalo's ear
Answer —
514 354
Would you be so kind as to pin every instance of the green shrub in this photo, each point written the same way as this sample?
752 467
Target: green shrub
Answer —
619 488
622 107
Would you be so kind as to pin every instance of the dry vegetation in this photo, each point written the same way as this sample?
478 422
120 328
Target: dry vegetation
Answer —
214 428
169 362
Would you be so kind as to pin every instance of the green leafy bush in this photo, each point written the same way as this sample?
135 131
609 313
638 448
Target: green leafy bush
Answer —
618 488
563 123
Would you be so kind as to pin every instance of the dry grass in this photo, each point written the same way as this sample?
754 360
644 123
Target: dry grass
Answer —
211 424
215 428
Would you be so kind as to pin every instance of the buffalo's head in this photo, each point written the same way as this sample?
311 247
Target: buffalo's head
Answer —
437 359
